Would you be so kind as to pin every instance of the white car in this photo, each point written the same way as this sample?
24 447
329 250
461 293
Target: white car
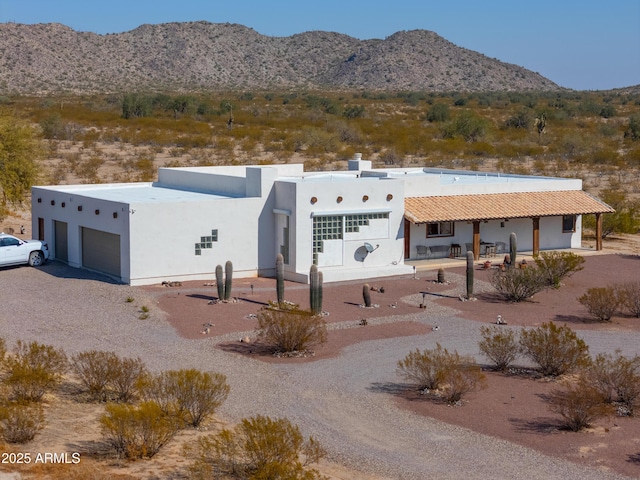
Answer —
14 251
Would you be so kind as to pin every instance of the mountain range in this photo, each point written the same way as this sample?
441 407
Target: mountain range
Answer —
45 59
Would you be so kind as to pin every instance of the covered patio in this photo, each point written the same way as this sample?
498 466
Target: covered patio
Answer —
566 206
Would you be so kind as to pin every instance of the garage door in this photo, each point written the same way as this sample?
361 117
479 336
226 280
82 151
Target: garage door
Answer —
61 245
101 251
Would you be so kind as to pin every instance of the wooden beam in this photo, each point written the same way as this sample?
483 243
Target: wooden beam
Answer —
476 239
598 231
536 236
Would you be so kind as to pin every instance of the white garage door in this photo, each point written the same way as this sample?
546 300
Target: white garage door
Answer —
101 251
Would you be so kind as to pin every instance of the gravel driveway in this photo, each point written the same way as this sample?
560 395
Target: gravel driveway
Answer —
343 401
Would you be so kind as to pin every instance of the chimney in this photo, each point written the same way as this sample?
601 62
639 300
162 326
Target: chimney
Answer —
358 164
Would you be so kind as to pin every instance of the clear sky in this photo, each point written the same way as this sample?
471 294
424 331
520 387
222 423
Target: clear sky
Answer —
579 44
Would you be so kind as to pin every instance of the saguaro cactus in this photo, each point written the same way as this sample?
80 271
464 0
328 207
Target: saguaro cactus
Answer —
280 278
315 290
470 260
220 282
513 247
228 280
366 295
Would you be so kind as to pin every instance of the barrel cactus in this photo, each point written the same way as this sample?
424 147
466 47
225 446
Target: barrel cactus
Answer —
441 275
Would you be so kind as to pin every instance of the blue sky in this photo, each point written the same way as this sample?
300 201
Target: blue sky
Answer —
584 45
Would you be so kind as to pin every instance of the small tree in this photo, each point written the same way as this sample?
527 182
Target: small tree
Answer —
260 448
190 395
33 369
291 330
518 284
578 404
556 350
629 295
558 265
20 149
499 345
601 302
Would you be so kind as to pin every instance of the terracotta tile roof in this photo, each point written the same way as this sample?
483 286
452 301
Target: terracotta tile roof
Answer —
501 205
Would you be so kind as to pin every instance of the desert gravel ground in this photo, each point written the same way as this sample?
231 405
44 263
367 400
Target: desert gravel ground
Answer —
342 400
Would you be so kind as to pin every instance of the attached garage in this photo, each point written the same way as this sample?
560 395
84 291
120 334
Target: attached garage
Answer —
101 251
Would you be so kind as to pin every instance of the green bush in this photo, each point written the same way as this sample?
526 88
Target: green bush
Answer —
258 448
578 404
518 284
601 302
291 330
499 345
558 265
20 423
556 350
33 369
137 431
190 395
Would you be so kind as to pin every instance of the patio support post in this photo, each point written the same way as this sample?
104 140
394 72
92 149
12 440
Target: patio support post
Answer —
536 236
476 239
598 231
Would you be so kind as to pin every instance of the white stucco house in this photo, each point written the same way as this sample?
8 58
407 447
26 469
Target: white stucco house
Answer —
354 224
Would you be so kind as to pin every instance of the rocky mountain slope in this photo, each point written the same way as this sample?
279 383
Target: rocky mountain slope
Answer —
53 58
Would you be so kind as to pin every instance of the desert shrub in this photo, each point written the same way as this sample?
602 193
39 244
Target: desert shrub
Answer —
33 369
20 423
438 369
556 350
258 448
107 376
518 284
617 379
291 330
426 369
137 431
464 378
438 112
558 265
499 345
579 404
3 350
629 295
190 395
95 369
601 302
125 380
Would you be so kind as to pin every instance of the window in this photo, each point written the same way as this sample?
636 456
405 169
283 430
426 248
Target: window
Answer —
325 228
568 223
440 229
206 242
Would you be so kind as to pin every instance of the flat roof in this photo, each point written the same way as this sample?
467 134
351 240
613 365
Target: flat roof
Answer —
464 177
135 193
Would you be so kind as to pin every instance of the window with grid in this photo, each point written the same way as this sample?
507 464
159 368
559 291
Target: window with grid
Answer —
327 227
352 223
568 223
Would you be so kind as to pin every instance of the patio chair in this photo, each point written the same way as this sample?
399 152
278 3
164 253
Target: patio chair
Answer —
501 247
423 250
